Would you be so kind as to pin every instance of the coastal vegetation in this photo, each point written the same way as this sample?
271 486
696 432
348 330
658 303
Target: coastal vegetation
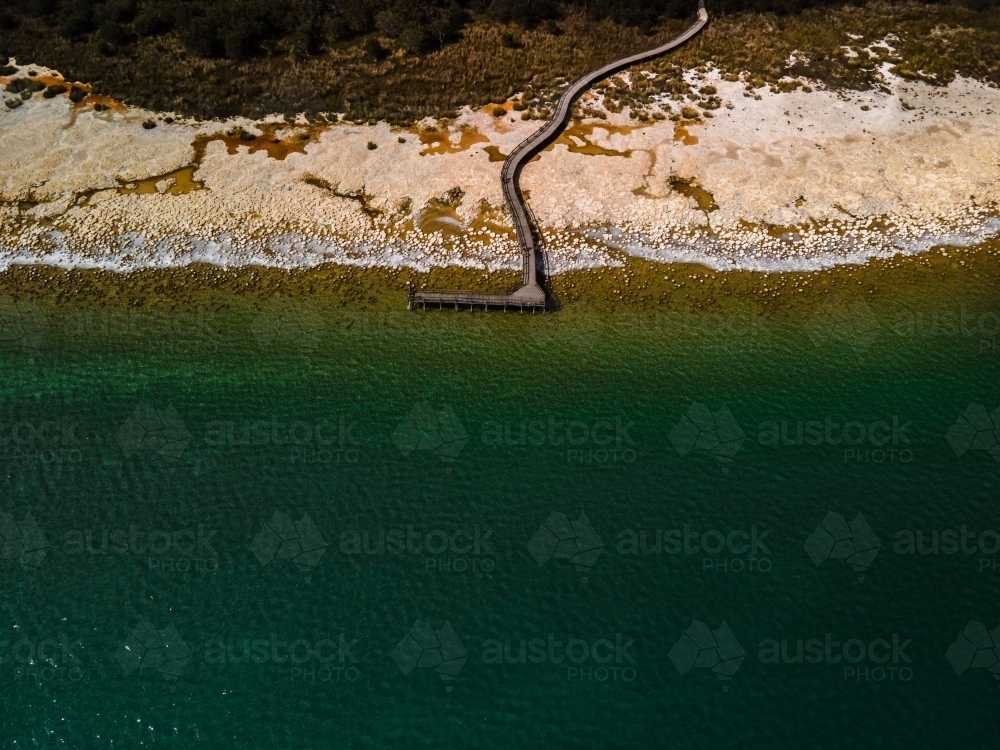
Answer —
370 60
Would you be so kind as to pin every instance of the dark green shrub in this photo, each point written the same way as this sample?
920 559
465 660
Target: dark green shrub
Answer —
20 85
8 21
414 39
374 49
112 33
510 41
154 19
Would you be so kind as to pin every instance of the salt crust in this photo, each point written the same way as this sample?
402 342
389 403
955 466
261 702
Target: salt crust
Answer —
801 180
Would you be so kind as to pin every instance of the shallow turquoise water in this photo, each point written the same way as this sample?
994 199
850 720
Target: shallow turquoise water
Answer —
188 433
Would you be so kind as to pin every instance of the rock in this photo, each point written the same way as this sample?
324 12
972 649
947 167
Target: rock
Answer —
55 90
77 94
21 85
13 103
149 124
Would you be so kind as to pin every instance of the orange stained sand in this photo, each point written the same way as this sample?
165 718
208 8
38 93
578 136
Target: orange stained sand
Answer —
275 141
438 217
585 131
113 105
494 153
681 134
691 189
439 142
183 182
271 141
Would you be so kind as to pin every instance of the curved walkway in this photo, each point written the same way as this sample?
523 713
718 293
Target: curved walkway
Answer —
530 293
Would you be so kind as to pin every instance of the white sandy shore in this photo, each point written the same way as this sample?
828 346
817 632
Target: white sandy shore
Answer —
800 180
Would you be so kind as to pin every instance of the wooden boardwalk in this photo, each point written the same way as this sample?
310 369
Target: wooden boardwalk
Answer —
530 294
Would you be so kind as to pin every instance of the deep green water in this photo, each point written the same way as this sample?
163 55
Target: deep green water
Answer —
607 393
